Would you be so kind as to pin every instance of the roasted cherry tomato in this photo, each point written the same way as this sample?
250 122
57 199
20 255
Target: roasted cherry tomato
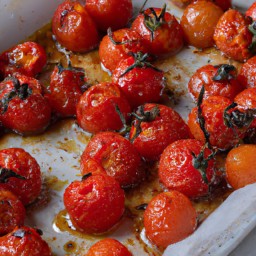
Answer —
198 21
90 165
97 108
217 80
74 28
251 12
94 204
66 88
139 80
187 166
118 45
27 58
112 14
108 247
23 108
240 167
20 172
117 156
247 74
161 33
169 218
12 211
24 241
154 128
222 129
232 36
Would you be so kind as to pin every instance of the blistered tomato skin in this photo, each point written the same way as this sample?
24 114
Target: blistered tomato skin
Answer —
94 204
167 38
204 76
169 218
108 247
117 156
27 58
113 14
232 36
24 241
22 163
251 12
199 31
155 135
12 211
74 28
247 74
96 110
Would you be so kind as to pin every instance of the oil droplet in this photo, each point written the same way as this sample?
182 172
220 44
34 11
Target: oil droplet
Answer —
70 246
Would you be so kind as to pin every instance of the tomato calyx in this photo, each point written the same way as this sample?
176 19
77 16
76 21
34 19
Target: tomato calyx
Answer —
153 22
5 174
126 128
110 35
252 29
141 207
224 72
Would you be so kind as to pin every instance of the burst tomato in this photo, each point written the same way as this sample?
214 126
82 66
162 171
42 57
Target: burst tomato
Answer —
94 204
91 166
247 74
74 28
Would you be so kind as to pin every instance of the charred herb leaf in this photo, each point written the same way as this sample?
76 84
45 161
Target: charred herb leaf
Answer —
224 72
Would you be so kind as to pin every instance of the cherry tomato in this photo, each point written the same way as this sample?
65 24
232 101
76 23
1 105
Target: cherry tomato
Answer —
169 218
66 88
139 80
20 173
217 80
94 204
91 166
24 241
97 108
12 211
161 33
188 167
251 12
23 108
27 58
232 36
223 4
247 74
118 45
198 21
117 156
154 128
113 14
108 247
240 167
74 28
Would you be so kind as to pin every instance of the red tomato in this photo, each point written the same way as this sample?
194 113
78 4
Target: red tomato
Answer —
74 28
117 156
96 109
223 4
12 211
155 128
24 110
232 36
247 74
24 241
251 12
108 247
94 204
169 218
217 80
139 81
27 187
27 58
198 21
66 88
112 14
91 166
161 33
182 167
118 45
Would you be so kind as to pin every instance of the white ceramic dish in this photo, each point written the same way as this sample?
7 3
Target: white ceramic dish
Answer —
58 153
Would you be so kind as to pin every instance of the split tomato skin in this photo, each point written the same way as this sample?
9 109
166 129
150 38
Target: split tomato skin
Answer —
232 36
74 28
247 74
22 163
108 247
96 109
117 156
169 218
94 204
28 58
24 241
156 135
113 14
12 211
